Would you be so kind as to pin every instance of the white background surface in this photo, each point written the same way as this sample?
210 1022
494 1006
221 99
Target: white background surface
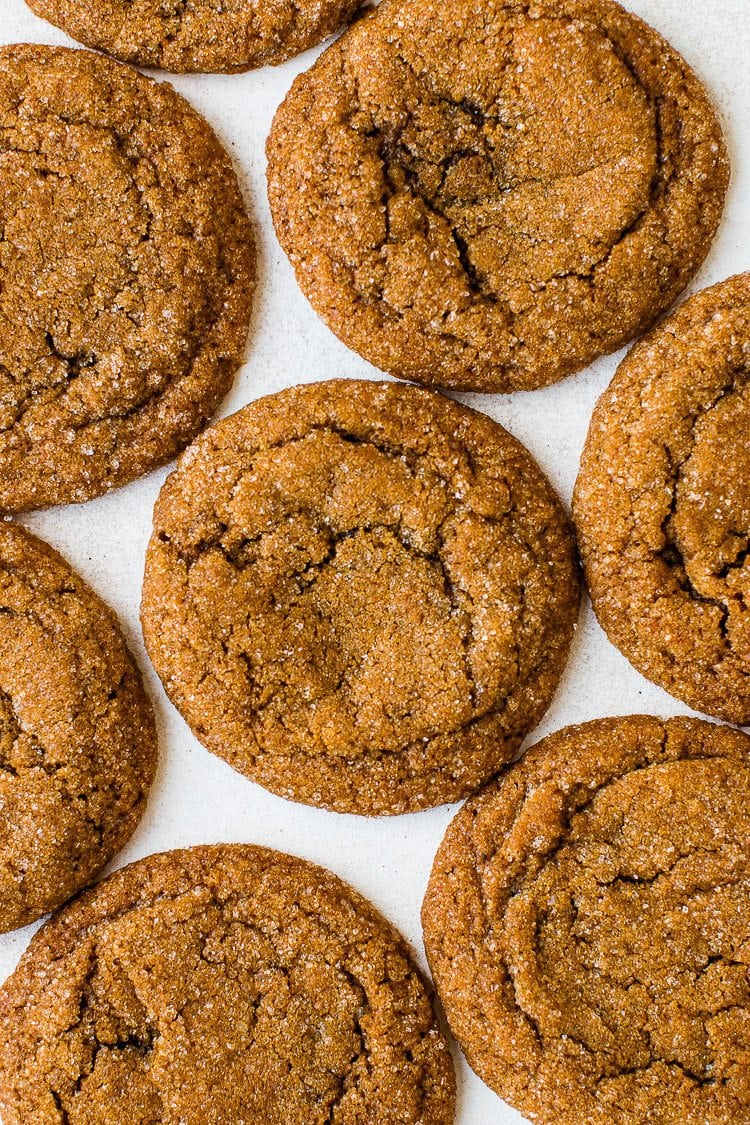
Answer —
199 799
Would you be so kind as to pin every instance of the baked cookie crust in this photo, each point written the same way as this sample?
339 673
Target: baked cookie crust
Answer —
662 503
200 35
488 194
127 268
77 735
361 595
586 924
221 984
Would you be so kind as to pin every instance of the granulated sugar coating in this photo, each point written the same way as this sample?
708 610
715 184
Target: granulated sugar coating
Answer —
662 504
77 736
201 35
360 594
587 925
221 986
127 269
487 194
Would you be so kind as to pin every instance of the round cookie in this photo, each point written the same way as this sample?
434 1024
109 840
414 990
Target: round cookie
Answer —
587 923
662 504
77 736
202 35
360 594
487 195
126 270
221 984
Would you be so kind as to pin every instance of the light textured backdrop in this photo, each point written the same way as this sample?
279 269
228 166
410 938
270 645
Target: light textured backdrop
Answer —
199 799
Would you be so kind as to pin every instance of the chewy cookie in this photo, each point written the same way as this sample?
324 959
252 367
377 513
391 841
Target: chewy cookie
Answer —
488 194
221 985
77 737
587 923
662 503
360 594
201 35
126 275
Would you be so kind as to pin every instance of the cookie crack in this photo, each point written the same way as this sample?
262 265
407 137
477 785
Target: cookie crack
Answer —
67 789
126 145
574 808
208 900
671 553
308 574
394 155
140 1043
11 725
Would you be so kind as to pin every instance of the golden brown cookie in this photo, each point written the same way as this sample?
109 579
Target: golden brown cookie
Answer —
77 736
587 922
221 986
360 594
126 275
662 504
489 194
202 34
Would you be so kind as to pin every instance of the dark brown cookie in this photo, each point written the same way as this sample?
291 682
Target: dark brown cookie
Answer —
221 986
201 35
360 594
587 922
662 504
77 737
126 275
489 194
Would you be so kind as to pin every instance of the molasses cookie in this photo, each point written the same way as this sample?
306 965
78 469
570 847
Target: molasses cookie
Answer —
662 504
126 275
77 737
360 594
216 985
202 35
587 924
488 194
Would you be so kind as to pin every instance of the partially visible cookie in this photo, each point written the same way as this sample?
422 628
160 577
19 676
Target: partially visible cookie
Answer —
221 985
587 923
489 194
202 35
77 736
126 275
360 594
662 504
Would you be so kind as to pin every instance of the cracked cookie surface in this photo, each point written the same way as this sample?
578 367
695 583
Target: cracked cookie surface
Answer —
360 594
489 195
662 503
587 923
127 268
221 984
199 35
77 736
